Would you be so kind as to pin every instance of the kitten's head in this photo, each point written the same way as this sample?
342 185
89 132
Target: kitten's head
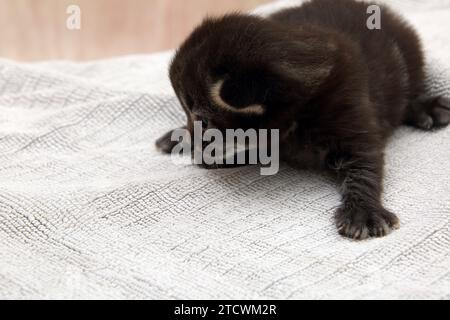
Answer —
241 71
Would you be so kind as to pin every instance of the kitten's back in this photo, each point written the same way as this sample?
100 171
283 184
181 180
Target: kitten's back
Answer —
393 54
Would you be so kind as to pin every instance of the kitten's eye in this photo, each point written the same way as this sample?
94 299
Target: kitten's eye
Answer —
205 122
189 101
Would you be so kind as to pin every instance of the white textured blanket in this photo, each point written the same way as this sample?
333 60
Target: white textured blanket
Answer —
89 208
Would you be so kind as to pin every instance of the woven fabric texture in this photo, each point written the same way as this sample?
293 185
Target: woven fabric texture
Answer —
90 209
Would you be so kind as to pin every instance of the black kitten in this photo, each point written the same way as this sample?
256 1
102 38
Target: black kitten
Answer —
334 88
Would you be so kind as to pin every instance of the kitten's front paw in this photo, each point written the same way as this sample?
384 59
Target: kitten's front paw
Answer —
165 143
359 223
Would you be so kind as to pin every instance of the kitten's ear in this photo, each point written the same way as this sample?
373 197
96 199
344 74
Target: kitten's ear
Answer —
309 77
240 93
308 63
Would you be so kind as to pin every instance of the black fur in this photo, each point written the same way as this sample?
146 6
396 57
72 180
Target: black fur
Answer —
334 88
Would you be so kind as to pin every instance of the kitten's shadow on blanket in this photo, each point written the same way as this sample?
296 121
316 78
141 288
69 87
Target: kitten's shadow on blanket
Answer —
288 179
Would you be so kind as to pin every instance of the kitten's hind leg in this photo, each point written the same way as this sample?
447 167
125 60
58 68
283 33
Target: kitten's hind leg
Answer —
429 114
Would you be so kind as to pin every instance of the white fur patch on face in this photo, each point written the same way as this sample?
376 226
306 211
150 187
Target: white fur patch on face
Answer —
215 95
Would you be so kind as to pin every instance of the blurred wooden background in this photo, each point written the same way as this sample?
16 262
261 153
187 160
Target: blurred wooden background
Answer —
33 30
